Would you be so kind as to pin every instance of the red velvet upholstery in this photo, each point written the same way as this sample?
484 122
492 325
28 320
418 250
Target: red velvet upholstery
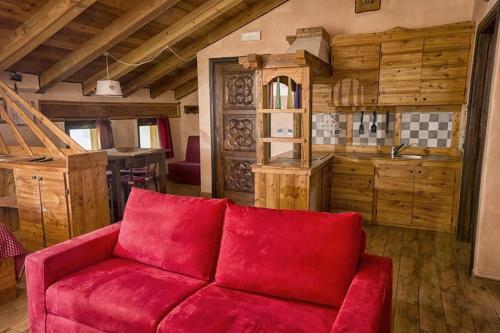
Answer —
215 309
119 295
187 171
80 286
49 265
167 231
262 249
368 303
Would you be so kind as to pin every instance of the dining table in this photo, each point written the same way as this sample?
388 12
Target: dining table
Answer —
120 159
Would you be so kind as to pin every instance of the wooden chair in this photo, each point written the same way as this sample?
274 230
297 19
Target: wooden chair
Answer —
140 173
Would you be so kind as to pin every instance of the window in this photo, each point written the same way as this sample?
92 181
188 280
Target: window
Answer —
148 133
84 133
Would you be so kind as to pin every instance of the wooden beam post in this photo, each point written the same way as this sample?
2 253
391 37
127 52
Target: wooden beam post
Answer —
188 53
61 135
174 82
135 18
15 130
32 126
40 27
171 35
186 89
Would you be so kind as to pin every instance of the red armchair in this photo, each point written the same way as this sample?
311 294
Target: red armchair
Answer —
187 171
181 264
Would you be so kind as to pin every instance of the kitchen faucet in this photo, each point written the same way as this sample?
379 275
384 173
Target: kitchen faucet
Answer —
397 149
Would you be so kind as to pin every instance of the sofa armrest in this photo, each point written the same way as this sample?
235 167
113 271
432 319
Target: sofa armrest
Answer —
49 265
367 306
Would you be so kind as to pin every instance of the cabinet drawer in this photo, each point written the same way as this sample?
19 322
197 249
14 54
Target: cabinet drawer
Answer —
351 194
394 212
357 182
403 99
395 171
343 167
404 46
447 42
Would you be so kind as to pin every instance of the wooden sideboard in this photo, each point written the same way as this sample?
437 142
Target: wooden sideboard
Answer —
415 193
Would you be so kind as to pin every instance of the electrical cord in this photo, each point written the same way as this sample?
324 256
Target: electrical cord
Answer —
167 47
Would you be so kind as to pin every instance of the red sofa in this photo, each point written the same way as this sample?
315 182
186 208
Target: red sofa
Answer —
181 264
187 171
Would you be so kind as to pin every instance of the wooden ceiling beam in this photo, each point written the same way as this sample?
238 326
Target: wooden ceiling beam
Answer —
135 18
40 27
189 53
171 35
186 89
174 82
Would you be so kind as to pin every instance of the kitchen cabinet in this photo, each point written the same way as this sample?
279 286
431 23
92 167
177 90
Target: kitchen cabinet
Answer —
352 187
420 194
417 196
425 66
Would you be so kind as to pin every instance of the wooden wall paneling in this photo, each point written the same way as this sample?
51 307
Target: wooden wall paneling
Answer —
88 211
54 206
397 128
260 189
272 190
288 191
31 231
302 184
7 280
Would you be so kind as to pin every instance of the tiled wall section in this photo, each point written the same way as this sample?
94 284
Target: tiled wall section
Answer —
427 129
379 138
329 128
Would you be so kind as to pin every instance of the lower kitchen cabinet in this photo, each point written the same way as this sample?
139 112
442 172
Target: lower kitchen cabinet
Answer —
412 194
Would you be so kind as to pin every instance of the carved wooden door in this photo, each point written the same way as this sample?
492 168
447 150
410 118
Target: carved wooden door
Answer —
235 136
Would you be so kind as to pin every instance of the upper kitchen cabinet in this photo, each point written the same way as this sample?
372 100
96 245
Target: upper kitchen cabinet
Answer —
356 63
400 71
426 66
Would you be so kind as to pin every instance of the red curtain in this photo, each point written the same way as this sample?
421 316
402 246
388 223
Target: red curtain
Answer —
165 136
105 131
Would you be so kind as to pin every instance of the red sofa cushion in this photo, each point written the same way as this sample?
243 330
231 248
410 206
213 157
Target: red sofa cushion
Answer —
307 256
214 309
119 295
179 234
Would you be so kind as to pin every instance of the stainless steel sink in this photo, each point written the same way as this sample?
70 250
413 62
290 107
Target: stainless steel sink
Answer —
408 157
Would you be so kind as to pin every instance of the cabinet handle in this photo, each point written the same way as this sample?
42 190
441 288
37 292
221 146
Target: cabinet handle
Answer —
33 177
40 178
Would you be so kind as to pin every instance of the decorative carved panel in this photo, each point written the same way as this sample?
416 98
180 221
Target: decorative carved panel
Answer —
238 175
239 91
239 133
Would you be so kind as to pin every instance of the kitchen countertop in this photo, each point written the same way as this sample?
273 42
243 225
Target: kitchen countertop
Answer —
405 158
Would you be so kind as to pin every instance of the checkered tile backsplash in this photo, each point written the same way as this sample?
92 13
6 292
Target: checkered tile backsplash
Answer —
379 138
427 129
329 128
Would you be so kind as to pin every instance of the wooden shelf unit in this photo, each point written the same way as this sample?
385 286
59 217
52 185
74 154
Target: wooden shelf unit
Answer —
293 180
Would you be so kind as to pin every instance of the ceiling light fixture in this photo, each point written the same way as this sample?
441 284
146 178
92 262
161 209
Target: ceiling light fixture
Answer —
109 88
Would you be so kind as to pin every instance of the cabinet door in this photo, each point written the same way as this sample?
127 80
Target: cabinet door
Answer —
394 195
54 207
355 74
444 71
400 71
433 197
31 232
352 188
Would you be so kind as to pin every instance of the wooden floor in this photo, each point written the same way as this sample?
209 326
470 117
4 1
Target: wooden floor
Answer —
432 290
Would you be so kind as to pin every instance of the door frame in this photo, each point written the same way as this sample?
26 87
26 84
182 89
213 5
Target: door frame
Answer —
467 225
213 122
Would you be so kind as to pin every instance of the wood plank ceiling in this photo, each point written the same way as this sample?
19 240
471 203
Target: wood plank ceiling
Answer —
64 40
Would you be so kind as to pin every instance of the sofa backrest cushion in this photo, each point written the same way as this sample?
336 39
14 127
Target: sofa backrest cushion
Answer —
175 233
306 256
